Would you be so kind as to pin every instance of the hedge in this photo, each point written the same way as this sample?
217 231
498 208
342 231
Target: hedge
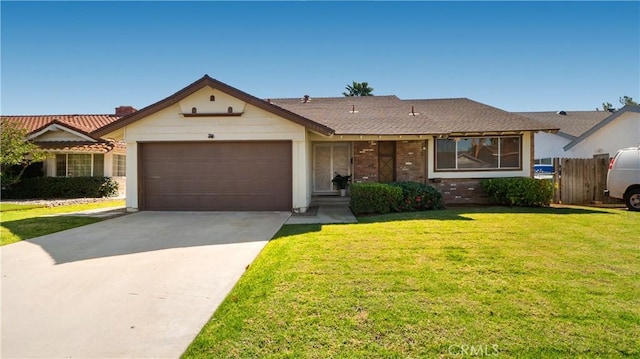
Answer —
519 191
62 187
370 198
418 196
375 198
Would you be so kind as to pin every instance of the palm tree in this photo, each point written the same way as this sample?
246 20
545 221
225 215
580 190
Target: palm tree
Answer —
358 89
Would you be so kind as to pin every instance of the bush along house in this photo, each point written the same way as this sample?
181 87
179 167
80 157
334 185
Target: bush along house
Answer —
211 146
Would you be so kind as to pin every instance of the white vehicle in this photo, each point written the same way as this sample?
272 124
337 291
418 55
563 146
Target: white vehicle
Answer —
623 179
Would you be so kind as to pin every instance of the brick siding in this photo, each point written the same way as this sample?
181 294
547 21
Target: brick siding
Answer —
365 161
460 191
410 161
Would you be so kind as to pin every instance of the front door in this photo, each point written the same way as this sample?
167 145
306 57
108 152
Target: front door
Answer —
386 161
329 159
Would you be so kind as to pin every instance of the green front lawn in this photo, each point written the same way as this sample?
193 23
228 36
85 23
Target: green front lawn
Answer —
525 283
26 221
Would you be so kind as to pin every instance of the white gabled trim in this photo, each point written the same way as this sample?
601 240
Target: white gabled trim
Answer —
601 124
57 127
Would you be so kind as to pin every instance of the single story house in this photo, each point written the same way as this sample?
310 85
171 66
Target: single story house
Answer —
211 146
585 134
73 149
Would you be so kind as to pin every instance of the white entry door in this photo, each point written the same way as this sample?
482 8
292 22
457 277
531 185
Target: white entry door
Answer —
329 159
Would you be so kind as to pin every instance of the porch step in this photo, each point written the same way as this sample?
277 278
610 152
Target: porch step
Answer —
318 200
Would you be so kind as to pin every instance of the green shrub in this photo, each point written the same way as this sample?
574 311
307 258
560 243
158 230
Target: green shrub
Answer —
418 196
375 198
367 198
62 187
519 191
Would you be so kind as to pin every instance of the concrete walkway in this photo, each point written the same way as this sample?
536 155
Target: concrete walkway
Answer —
327 213
137 286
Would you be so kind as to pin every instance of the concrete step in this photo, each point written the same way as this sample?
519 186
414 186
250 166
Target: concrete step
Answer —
318 200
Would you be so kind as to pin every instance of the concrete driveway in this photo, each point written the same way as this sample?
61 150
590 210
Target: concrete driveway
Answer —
137 286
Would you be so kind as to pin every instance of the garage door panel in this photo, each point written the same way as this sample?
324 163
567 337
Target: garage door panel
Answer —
216 176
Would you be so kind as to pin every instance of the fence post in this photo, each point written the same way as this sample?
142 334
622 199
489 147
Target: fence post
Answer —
557 186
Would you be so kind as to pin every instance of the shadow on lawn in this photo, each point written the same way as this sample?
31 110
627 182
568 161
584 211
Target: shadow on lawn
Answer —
295 229
458 213
34 227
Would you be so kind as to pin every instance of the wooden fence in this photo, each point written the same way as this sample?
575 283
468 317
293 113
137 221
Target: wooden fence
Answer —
581 180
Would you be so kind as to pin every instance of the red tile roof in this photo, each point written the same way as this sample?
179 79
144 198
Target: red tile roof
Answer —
83 146
84 123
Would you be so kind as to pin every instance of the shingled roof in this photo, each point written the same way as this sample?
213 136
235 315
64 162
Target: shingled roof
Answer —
572 124
389 115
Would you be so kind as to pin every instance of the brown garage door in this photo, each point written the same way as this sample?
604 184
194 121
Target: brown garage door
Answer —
216 176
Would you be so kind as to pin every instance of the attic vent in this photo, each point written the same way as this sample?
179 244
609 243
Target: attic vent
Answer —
194 110
306 99
230 109
562 113
212 98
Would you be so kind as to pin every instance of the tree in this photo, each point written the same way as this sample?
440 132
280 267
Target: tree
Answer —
624 100
16 153
607 106
358 89
627 101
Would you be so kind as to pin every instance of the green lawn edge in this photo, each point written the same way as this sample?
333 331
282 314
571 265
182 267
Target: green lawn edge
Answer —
512 282
22 222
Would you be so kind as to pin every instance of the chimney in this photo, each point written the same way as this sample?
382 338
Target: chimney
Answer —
125 110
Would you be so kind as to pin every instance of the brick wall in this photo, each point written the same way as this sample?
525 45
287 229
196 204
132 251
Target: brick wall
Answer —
460 191
410 161
365 161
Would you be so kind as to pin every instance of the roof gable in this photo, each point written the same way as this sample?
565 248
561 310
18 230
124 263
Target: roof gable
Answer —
572 124
601 124
77 134
219 86
85 124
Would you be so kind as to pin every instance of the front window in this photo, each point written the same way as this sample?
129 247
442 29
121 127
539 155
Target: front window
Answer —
119 166
79 165
478 153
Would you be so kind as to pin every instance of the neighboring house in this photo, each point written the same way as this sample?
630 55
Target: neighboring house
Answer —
210 146
73 150
585 134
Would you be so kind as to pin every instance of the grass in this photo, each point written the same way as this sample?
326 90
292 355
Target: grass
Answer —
20 222
523 283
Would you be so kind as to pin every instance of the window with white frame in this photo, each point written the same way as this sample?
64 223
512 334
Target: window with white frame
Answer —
119 166
478 153
79 165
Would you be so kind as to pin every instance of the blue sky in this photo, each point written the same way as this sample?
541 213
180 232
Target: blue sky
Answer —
89 57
